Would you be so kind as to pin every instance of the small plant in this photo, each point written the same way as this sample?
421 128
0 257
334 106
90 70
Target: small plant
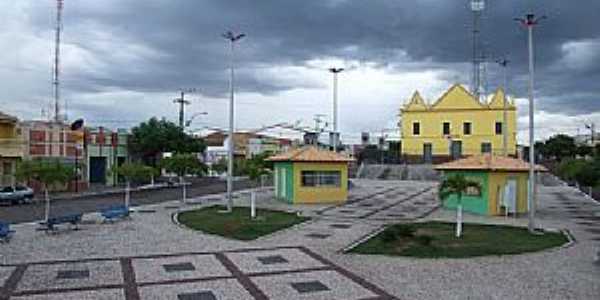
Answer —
405 230
389 235
424 240
182 165
132 172
48 173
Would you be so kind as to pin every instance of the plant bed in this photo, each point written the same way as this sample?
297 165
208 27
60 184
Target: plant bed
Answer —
438 240
238 224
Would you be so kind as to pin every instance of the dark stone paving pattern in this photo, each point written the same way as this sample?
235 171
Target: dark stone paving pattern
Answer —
317 235
73 274
273 259
340 226
179 267
130 285
204 295
309 287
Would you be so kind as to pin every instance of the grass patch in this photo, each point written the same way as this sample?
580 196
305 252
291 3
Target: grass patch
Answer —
238 224
437 240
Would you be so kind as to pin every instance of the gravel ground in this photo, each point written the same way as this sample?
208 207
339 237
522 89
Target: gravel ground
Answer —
563 273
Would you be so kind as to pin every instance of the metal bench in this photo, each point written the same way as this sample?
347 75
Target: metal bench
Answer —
115 212
73 219
5 232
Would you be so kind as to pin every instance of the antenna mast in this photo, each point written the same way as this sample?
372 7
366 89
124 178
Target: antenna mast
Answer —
56 82
477 7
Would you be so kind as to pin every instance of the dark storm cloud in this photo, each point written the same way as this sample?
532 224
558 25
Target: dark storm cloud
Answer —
182 45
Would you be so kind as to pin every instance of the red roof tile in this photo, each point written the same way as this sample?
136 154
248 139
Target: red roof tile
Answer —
310 154
489 162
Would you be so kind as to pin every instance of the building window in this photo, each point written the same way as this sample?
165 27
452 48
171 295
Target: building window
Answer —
321 178
486 147
498 127
416 128
446 128
467 128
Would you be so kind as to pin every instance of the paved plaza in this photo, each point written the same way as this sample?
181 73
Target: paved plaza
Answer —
150 256
275 273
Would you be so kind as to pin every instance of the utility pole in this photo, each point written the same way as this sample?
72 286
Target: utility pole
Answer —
182 103
592 128
529 22
381 146
335 139
232 38
503 62
56 81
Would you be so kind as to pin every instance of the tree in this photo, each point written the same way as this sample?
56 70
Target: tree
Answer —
48 173
569 168
560 147
457 185
584 151
220 166
258 166
132 172
587 175
150 139
184 164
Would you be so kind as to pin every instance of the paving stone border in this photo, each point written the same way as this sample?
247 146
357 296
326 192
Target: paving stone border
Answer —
130 286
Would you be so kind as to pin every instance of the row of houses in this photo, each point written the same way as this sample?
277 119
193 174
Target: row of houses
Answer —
90 151
94 151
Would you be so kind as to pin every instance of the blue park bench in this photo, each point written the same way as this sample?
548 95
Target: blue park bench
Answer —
5 232
50 225
115 212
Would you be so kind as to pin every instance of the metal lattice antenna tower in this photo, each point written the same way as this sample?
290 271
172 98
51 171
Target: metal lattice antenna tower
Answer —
477 7
56 81
483 82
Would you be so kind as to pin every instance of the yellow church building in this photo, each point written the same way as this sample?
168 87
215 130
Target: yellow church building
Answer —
456 125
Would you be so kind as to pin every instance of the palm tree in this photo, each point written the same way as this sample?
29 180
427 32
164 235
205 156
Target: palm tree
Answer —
457 185
48 174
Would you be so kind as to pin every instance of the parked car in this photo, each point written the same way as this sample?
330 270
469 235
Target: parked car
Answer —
25 192
8 195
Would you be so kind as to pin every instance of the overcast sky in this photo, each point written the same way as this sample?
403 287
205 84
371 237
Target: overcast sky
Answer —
124 61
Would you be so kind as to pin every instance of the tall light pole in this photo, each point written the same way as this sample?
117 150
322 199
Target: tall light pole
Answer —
56 74
503 62
335 139
530 21
232 38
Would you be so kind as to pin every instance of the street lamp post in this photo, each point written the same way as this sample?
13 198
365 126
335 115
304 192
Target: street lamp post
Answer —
530 21
189 121
334 140
232 38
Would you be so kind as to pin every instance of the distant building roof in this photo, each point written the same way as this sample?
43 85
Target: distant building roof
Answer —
5 118
310 154
488 162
